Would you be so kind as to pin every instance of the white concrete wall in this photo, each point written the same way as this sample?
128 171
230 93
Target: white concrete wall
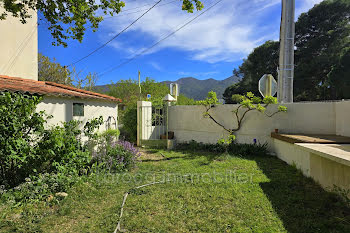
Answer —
188 122
343 118
19 47
62 109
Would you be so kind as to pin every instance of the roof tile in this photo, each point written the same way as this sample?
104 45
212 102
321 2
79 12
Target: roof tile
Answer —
48 88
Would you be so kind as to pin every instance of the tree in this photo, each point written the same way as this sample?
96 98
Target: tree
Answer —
249 102
322 36
184 100
263 60
50 70
87 83
129 92
322 43
69 19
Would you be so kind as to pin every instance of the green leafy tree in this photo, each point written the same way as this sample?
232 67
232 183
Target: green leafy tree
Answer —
263 60
129 92
322 37
20 126
249 102
50 70
69 19
322 48
184 100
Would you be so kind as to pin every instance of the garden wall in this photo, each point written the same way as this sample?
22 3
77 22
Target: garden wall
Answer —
188 122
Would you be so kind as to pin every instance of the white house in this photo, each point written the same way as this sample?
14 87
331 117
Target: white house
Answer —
19 73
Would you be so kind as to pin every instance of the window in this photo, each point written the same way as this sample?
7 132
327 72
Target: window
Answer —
78 109
157 116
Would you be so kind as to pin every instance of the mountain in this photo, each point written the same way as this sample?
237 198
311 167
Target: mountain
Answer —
194 88
198 89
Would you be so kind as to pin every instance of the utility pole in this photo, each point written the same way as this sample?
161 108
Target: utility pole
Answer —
140 85
286 56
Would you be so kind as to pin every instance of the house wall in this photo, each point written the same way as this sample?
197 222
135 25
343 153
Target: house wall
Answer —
188 122
62 110
19 47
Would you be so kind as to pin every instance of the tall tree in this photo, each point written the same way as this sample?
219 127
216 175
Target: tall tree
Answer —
322 43
263 60
50 70
322 34
69 19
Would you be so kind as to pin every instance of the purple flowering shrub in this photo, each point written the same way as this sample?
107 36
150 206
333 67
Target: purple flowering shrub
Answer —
116 156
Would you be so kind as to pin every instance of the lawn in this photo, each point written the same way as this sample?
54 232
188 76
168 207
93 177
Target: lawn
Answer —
201 192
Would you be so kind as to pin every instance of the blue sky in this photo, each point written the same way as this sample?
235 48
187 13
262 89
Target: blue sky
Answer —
210 47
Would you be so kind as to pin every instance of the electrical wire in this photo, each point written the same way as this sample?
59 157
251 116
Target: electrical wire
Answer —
158 42
21 47
130 13
114 37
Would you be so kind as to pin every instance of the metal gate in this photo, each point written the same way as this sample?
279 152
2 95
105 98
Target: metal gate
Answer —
152 125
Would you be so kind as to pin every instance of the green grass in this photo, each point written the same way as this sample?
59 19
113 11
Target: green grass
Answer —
264 195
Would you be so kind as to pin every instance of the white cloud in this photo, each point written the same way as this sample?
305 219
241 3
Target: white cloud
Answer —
227 32
155 65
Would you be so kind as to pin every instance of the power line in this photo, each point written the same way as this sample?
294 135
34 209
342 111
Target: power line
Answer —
158 42
130 13
22 46
102 46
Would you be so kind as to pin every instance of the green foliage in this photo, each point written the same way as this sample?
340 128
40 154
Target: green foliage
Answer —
91 126
270 100
183 100
68 19
27 149
110 135
249 102
115 156
236 99
322 38
39 187
228 140
50 70
263 60
129 121
321 58
282 108
128 91
61 150
20 126
244 150
210 100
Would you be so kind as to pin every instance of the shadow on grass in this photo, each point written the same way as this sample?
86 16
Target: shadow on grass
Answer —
302 204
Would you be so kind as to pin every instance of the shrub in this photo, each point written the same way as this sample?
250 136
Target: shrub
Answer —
52 158
20 126
116 156
129 121
110 135
244 150
39 187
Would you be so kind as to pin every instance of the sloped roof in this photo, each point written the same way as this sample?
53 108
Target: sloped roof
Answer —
48 88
